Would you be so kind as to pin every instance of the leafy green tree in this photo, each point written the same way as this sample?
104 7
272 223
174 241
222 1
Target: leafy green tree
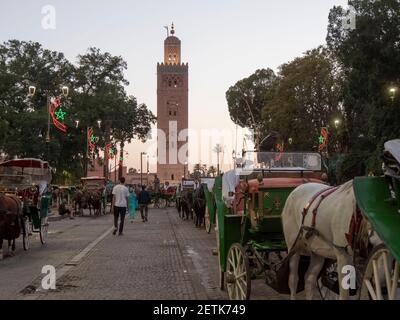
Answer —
370 59
97 99
24 118
307 98
247 98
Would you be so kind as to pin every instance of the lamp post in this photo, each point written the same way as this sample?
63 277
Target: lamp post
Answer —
218 149
184 170
141 167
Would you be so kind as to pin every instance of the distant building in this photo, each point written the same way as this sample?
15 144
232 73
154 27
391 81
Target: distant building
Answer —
172 110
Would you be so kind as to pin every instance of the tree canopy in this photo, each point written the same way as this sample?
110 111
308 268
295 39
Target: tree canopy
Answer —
97 98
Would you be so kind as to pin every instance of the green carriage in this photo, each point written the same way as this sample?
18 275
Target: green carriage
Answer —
249 202
378 199
29 180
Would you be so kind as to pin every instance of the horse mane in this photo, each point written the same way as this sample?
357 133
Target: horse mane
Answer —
345 187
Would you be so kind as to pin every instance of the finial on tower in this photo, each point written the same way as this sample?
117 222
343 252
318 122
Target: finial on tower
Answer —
172 29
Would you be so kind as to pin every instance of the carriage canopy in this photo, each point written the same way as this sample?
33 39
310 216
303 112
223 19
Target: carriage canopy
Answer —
25 172
274 161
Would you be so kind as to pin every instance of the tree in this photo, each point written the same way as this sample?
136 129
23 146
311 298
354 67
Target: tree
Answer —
24 119
212 171
247 98
370 59
97 96
307 98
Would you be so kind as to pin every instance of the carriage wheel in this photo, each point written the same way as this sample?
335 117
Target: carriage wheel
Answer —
238 278
26 233
207 221
44 227
162 203
381 276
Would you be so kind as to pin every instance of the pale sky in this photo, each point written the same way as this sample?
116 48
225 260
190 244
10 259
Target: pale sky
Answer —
223 41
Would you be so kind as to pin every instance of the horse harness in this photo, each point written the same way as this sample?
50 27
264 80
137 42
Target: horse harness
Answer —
322 195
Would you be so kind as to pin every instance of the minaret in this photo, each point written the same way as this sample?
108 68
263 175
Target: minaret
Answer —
172 111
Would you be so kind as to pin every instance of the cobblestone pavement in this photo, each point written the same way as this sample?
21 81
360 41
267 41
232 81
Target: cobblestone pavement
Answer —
166 258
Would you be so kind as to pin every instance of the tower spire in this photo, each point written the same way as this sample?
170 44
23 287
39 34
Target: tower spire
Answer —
172 29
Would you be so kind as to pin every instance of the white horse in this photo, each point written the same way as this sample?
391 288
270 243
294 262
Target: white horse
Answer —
327 239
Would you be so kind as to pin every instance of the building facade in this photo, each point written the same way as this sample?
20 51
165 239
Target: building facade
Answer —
172 112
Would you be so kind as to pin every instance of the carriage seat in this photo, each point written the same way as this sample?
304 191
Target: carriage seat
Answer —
391 158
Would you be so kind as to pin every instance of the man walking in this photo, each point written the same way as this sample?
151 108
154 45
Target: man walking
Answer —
144 201
120 204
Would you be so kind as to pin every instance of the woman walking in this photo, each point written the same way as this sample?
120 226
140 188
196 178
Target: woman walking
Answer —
132 204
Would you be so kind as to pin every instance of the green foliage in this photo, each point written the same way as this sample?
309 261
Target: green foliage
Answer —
307 98
370 60
247 98
97 93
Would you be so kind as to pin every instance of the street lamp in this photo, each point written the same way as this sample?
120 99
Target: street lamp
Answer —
141 167
337 123
77 124
32 91
184 170
99 123
65 91
218 149
392 91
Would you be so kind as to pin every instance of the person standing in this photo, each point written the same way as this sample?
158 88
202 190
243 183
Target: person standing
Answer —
144 201
132 203
120 204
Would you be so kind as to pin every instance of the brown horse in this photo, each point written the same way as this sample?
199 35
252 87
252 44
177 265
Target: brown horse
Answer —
80 200
94 202
10 221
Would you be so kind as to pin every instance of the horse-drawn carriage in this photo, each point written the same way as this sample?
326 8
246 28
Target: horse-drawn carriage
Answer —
278 220
164 197
185 198
248 203
94 195
24 182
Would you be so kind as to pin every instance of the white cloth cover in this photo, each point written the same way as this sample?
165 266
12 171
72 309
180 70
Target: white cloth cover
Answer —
209 182
393 146
230 180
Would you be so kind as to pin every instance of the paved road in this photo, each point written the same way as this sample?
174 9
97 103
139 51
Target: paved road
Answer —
166 258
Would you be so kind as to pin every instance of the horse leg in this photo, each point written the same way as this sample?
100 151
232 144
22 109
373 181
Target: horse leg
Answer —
13 247
311 276
1 250
343 259
293 275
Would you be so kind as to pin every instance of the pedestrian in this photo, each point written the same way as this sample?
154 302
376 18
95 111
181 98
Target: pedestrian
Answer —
132 203
120 204
144 201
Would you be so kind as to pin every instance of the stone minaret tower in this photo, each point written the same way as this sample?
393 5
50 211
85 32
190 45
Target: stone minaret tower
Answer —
172 112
